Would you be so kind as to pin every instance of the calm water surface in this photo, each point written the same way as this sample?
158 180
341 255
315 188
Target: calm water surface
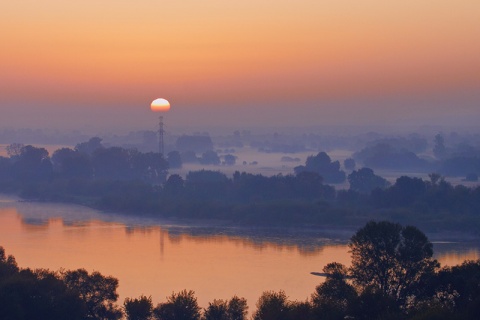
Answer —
153 257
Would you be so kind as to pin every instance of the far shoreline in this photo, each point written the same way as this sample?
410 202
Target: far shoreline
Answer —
339 234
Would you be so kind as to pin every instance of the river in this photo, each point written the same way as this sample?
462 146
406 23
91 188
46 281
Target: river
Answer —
156 257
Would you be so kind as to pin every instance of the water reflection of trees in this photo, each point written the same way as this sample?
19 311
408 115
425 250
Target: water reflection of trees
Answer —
304 241
260 239
35 223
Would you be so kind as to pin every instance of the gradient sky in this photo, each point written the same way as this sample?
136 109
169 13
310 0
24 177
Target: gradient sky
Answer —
99 64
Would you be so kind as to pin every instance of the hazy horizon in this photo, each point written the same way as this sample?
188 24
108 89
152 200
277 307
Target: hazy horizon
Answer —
97 66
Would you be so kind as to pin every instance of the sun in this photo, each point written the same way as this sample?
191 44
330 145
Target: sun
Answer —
160 105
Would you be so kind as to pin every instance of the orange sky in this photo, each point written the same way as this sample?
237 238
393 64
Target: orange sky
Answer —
314 61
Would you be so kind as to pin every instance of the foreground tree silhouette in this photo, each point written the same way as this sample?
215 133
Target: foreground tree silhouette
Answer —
179 306
35 295
98 292
272 306
391 259
237 308
456 291
333 298
373 304
138 309
216 310
234 309
8 264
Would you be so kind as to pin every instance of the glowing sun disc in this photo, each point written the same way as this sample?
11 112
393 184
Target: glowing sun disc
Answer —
160 105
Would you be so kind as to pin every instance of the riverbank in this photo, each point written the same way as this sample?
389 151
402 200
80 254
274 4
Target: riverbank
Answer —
339 234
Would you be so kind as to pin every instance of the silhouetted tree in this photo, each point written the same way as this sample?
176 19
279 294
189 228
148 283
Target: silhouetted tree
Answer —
435 178
71 163
174 186
406 191
237 308
385 156
8 265
374 304
35 295
179 306
59 156
333 298
150 166
98 292
391 258
206 184
234 309
111 163
90 146
364 181
300 310
32 164
210 157
272 306
309 185
216 310
457 289
323 165
14 149
139 308
229 159
38 295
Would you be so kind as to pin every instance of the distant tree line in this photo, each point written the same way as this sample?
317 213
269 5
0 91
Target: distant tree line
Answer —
461 159
324 166
392 276
132 182
88 160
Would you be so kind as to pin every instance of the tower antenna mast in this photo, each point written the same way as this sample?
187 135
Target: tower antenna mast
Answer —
161 133
160 105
